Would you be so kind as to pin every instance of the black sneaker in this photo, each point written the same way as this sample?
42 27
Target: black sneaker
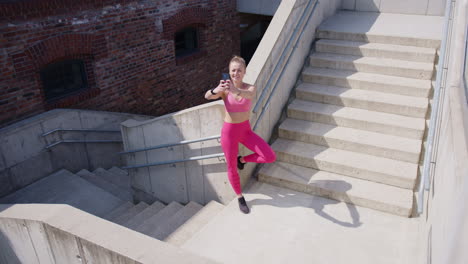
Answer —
243 205
240 165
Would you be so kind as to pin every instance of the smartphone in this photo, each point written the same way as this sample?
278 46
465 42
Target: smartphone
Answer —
225 76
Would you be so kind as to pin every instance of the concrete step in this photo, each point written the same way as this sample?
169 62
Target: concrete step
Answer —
394 40
397 29
364 99
123 194
120 180
116 212
150 224
130 213
364 193
389 124
117 170
64 187
393 67
367 81
169 225
371 143
139 218
382 170
376 50
194 224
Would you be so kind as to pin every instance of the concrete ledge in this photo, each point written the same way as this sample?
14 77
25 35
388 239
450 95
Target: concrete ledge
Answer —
63 234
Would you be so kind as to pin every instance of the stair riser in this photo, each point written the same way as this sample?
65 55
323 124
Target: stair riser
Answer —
362 67
365 85
362 104
360 37
339 196
376 53
346 170
358 124
350 146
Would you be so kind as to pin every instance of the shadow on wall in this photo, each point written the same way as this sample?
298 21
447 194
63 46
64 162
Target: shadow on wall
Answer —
7 253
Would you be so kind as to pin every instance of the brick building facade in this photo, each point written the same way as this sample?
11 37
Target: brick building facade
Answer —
126 51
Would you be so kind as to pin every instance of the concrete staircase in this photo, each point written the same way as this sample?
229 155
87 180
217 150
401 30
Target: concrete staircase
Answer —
107 194
354 131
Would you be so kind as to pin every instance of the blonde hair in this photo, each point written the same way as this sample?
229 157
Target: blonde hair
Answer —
238 59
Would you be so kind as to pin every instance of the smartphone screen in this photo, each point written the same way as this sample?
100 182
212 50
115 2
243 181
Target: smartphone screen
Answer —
225 76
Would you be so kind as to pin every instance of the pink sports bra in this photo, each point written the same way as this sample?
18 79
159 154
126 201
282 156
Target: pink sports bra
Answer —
232 105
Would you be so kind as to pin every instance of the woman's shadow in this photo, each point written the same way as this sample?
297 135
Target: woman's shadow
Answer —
321 198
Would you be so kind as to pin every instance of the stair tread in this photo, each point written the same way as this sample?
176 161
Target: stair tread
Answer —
119 192
365 95
380 46
131 212
384 62
349 189
119 210
355 164
120 180
360 114
118 170
150 224
369 77
166 227
148 212
194 224
353 135
377 50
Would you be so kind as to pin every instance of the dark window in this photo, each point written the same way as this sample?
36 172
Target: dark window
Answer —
186 41
63 78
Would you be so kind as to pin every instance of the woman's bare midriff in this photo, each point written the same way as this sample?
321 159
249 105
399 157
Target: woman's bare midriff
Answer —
236 117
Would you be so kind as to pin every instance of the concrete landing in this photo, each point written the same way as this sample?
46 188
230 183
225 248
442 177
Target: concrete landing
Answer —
63 187
285 226
398 25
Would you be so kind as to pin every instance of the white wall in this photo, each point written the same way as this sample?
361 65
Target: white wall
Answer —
413 7
444 227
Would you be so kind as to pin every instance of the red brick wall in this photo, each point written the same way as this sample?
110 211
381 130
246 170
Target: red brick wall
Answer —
127 47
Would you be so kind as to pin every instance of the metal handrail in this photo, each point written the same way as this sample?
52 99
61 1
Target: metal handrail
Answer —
81 141
171 144
174 161
464 66
267 104
270 79
79 130
425 180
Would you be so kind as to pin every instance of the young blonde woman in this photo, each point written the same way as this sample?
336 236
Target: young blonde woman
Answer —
237 97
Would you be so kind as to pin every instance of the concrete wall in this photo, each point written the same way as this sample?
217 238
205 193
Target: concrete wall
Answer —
203 181
413 7
24 159
199 181
444 224
259 7
55 234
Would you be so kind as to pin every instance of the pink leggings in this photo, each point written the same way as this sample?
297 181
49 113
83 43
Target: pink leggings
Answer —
231 136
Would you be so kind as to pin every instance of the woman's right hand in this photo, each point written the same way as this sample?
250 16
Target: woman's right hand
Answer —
222 86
